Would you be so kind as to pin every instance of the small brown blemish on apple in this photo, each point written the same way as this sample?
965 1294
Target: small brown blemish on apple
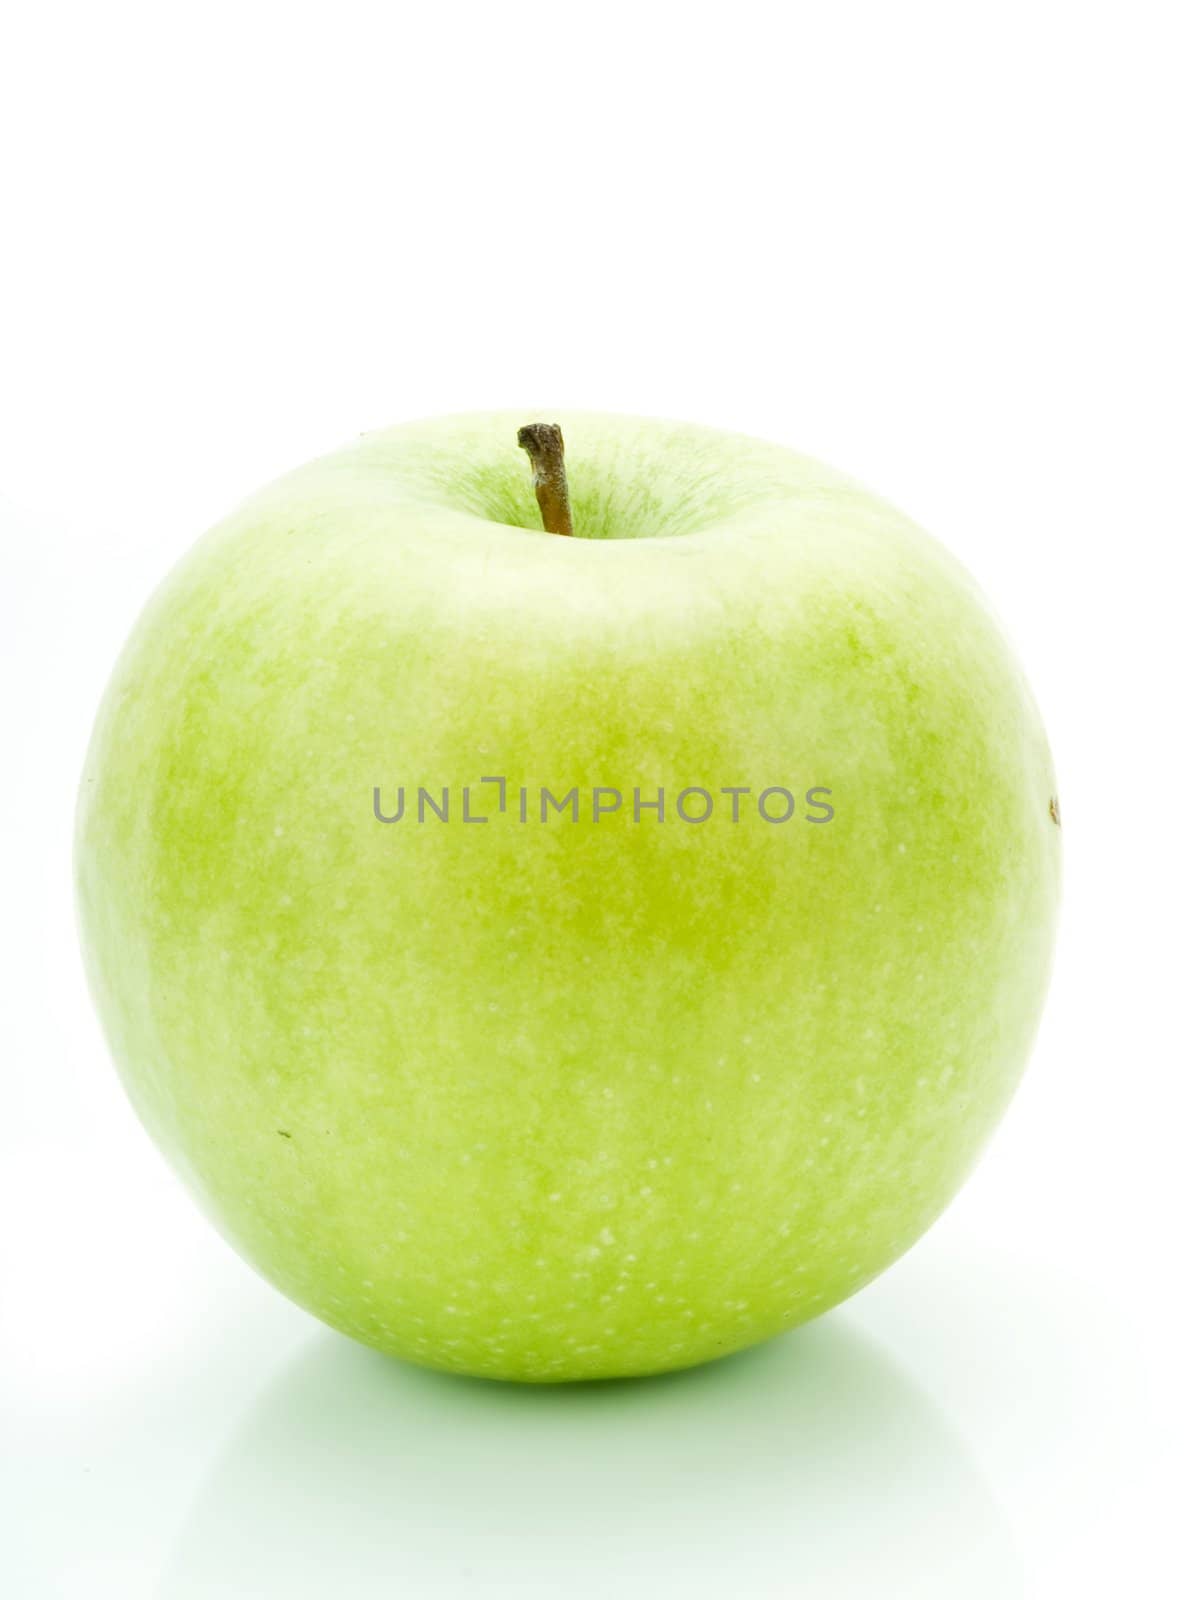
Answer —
1054 816
283 1133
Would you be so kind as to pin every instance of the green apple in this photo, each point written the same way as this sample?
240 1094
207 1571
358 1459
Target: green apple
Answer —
585 1079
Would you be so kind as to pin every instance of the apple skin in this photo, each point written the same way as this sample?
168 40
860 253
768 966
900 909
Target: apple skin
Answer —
567 1100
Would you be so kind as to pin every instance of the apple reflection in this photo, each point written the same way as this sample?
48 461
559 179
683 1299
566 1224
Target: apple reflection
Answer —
810 1465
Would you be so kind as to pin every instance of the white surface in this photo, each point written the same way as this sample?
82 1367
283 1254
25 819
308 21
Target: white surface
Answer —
947 247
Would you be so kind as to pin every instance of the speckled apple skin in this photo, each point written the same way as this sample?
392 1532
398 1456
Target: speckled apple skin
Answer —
567 1100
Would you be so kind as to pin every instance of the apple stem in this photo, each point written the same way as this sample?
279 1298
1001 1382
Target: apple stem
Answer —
542 442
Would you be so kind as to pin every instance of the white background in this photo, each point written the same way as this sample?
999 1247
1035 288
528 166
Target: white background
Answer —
949 247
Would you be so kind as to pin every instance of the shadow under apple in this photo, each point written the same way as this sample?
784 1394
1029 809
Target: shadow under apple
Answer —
808 1466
